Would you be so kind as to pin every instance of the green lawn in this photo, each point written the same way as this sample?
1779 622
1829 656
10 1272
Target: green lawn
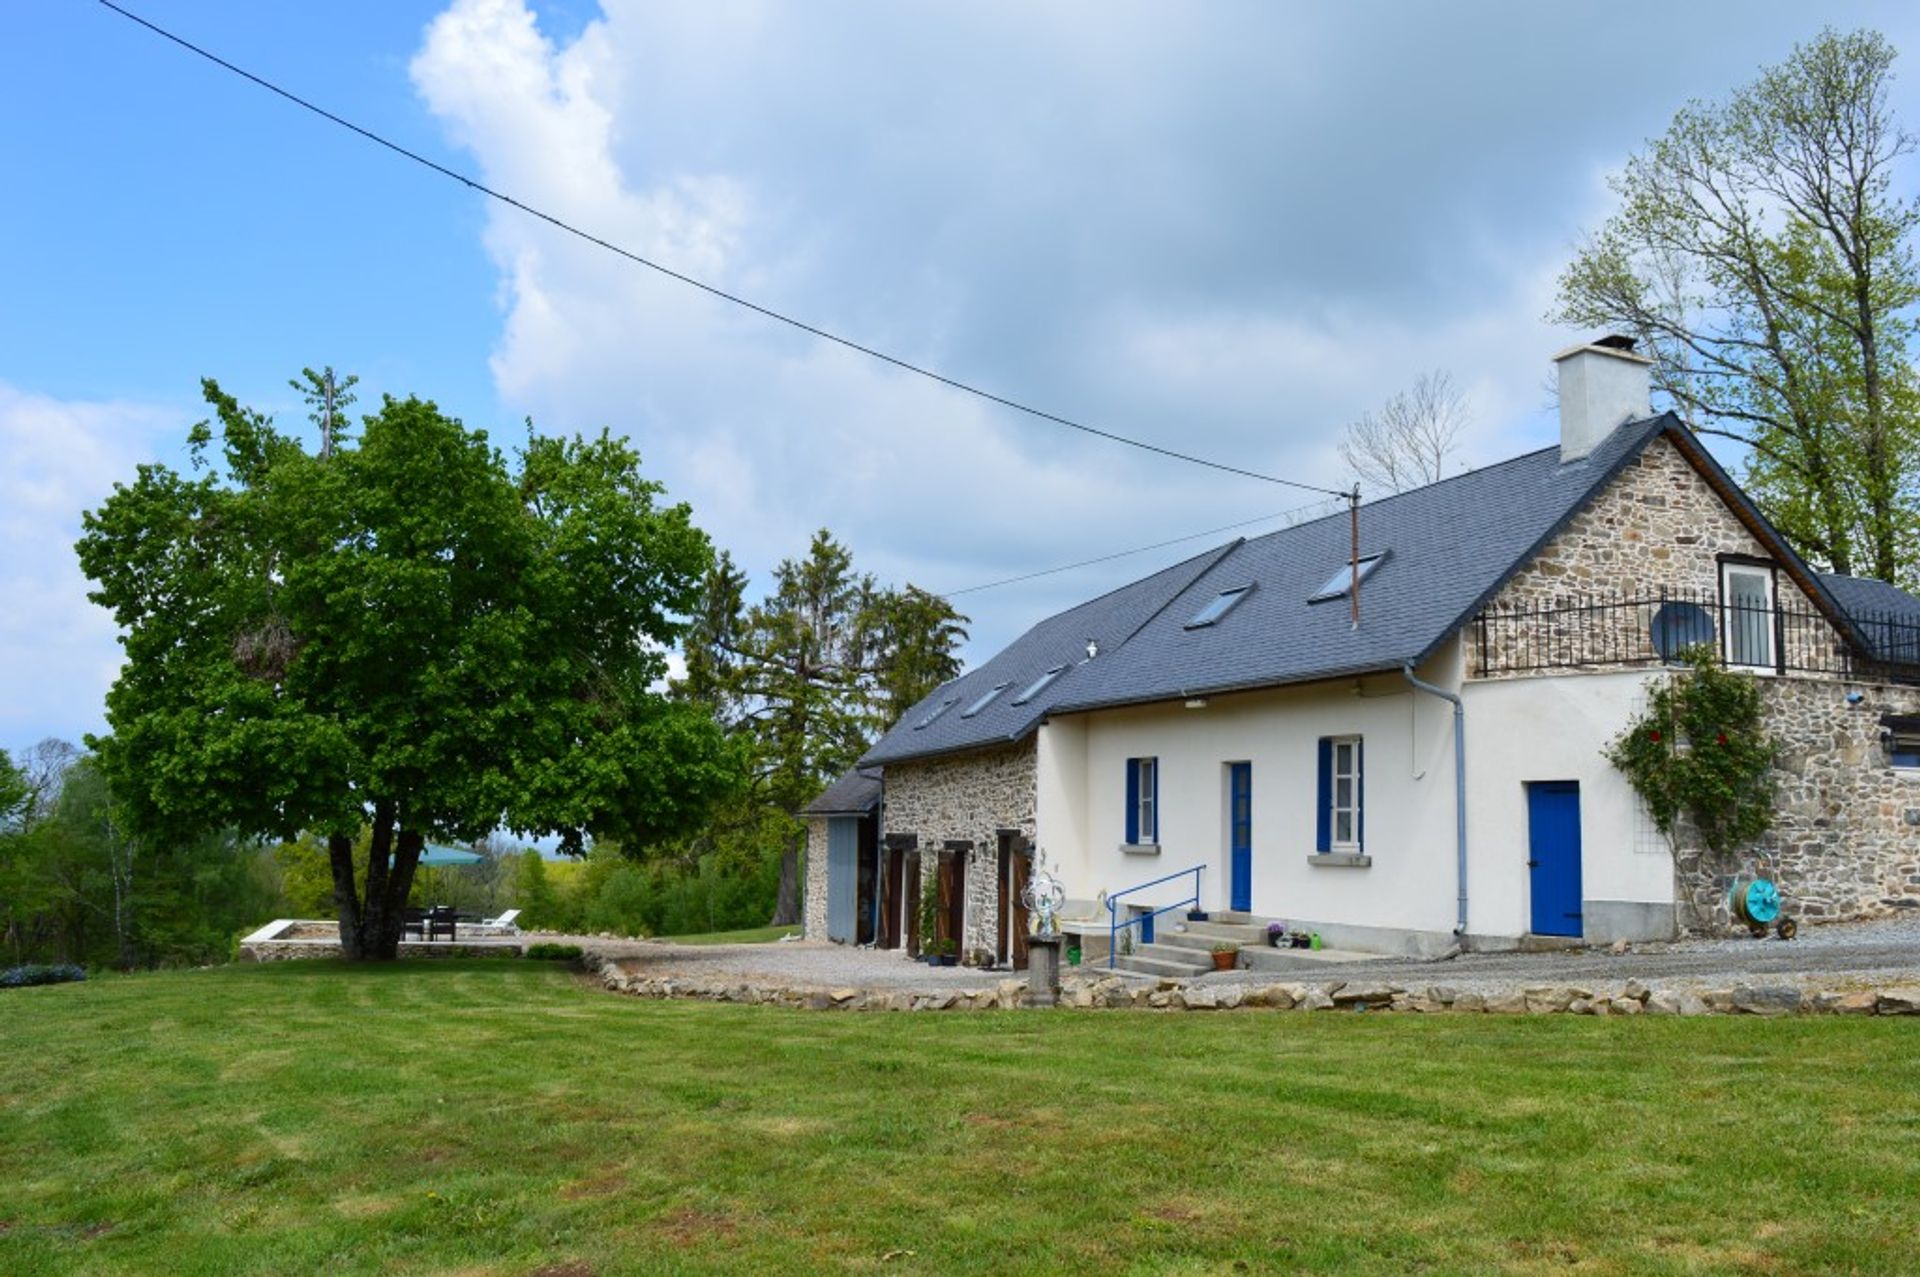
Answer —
501 1117
753 935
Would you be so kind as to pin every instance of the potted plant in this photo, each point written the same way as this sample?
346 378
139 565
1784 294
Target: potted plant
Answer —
1225 955
1277 934
1197 914
929 921
942 953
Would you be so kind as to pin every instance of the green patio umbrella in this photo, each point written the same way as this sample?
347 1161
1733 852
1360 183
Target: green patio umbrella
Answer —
440 857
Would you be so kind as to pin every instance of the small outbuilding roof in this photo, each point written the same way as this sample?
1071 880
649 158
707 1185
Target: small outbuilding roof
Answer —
854 794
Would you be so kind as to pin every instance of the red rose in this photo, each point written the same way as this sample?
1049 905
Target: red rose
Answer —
1721 738
1654 737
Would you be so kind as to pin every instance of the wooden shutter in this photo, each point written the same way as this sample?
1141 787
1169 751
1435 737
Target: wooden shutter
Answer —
1323 825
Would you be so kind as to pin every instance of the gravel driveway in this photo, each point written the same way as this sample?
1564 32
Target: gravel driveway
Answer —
1885 951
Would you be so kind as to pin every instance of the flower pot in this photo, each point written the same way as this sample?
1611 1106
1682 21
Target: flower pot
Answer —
948 959
1225 961
1197 915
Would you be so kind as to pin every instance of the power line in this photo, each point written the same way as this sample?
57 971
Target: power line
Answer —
1138 549
670 273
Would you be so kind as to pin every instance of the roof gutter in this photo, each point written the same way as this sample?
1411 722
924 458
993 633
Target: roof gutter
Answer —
1459 791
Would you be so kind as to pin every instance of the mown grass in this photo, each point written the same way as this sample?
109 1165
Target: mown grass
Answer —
752 935
505 1118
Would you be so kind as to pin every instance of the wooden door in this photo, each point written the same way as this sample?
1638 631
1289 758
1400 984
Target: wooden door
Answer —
890 883
1022 872
912 903
950 916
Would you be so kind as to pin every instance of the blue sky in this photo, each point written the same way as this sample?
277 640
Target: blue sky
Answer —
1227 228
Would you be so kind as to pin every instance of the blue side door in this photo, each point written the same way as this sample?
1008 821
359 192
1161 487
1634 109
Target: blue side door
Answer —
1240 839
843 875
1553 856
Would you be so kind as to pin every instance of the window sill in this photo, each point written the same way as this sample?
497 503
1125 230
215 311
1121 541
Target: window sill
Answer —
1340 860
1139 848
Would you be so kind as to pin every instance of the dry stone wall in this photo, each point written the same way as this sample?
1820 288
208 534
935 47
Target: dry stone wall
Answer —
1657 526
1846 835
967 798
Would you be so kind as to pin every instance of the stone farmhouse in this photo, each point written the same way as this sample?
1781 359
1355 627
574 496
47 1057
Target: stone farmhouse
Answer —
1417 768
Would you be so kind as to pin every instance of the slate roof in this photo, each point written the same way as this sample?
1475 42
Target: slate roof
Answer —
854 794
1449 547
1886 617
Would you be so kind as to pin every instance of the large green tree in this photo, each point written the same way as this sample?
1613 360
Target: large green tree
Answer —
810 675
417 635
1763 254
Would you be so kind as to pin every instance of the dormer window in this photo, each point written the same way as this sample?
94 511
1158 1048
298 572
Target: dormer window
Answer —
1341 581
1221 604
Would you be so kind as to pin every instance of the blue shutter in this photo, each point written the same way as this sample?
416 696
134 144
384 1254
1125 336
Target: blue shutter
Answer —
1360 794
1133 802
1153 835
1323 829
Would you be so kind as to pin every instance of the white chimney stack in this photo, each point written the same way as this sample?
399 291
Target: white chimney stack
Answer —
1603 385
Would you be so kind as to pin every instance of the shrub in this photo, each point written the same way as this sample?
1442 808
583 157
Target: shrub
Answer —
58 973
550 952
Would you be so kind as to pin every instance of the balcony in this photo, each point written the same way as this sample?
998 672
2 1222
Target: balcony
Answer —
1654 630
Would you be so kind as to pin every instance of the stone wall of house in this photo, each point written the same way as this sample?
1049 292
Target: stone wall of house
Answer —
1657 526
813 906
1846 835
969 798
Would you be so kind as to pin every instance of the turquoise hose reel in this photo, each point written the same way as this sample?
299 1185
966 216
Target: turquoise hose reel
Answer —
1755 902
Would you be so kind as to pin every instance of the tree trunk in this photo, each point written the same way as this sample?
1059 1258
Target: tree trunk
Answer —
786 908
371 920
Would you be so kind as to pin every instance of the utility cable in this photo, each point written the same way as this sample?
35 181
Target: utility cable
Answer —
704 287
1138 549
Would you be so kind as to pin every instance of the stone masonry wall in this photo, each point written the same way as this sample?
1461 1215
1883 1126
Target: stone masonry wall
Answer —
970 797
1656 526
813 906
1846 835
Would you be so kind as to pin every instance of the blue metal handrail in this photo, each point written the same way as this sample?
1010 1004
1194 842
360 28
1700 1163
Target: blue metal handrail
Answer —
1115 926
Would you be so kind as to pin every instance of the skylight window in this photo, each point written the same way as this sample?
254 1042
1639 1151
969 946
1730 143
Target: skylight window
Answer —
936 712
1342 580
1039 685
1221 604
985 700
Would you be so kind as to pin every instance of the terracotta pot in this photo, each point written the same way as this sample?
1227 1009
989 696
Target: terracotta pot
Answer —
1226 961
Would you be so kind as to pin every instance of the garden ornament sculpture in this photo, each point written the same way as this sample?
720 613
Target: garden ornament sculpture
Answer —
1044 895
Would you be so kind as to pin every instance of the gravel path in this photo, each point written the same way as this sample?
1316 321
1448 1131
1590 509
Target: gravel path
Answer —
1886 951
1882 951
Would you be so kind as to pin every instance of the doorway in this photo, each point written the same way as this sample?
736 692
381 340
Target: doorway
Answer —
1553 856
892 881
1240 837
1016 868
950 912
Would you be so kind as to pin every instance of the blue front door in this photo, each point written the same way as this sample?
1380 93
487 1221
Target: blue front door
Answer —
1240 822
1553 856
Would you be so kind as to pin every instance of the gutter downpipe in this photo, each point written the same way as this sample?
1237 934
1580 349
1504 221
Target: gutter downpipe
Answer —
1459 790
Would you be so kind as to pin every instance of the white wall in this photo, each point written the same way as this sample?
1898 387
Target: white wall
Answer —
1517 731
1521 730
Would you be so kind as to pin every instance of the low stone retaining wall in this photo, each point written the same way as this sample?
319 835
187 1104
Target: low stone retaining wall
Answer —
1633 998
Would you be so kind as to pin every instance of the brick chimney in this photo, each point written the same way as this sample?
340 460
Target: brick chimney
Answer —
1603 385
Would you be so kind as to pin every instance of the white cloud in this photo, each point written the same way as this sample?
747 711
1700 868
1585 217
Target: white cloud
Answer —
1157 261
58 653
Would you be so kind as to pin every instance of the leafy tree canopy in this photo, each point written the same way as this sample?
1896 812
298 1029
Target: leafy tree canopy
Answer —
415 633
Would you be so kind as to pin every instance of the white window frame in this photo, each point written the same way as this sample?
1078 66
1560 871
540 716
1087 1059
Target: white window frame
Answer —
1146 818
1356 759
1730 620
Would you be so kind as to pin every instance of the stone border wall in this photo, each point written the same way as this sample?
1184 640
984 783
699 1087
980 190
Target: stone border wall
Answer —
968 798
1632 998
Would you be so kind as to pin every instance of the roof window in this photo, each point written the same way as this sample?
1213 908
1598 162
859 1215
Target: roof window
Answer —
985 700
1342 579
936 712
1039 685
1222 604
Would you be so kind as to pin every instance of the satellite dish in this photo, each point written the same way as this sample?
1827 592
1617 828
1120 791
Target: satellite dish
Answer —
1679 626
